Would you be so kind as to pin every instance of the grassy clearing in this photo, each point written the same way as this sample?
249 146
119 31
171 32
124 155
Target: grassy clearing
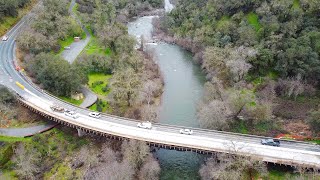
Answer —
276 175
98 88
222 21
13 139
64 43
72 101
296 4
8 22
316 141
9 175
253 20
75 8
240 128
94 48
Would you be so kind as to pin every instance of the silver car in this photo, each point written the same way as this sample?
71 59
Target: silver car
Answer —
95 115
72 114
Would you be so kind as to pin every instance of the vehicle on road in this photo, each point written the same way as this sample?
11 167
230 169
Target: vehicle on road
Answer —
95 115
270 142
57 108
186 131
72 114
67 48
145 125
5 38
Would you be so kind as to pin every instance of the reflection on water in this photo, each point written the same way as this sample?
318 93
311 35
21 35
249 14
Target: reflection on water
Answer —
183 89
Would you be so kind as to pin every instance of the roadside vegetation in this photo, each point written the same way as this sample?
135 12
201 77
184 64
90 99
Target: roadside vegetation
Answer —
118 73
12 11
50 30
66 156
260 57
12 114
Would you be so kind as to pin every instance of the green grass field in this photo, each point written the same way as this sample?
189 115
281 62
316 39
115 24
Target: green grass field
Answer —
65 43
94 48
13 139
253 20
72 101
296 4
98 89
224 19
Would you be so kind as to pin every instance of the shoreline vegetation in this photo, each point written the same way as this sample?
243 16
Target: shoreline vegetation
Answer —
38 51
271 86
256 84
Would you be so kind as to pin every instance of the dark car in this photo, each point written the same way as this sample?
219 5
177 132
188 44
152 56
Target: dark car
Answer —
270 142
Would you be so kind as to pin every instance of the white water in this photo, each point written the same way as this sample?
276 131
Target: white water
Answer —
168 6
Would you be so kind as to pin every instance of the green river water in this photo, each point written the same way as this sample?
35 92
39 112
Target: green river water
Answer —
182 91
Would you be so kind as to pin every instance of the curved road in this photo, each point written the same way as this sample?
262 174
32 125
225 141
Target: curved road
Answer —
28 131
290 152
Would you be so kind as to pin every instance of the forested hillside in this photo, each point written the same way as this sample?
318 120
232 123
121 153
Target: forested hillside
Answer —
11 11
285 33
10 8
261 58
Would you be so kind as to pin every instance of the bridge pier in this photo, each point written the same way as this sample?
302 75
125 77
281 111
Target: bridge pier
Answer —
81 132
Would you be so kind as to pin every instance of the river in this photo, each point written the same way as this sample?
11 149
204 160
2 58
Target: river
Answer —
182 90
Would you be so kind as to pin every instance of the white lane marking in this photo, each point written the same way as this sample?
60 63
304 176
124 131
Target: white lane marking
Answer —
17 28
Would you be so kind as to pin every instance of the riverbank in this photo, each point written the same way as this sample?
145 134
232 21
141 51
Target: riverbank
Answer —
289 115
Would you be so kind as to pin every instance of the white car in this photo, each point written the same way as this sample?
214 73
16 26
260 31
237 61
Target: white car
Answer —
186 131
95 115
71 114
5 38
145 125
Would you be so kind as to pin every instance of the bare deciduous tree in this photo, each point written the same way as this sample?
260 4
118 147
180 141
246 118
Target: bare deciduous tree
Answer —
150 169
26 162
231 167
135 152
214 115
291 87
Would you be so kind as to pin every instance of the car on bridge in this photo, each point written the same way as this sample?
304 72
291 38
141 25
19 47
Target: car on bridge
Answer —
57 108
72 114
95 115
270 142
5 38
186 131
145 125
